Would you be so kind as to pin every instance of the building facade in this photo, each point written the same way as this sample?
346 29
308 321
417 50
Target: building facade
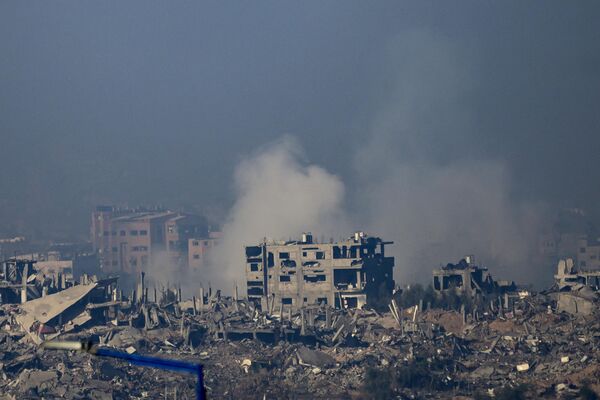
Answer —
346 274
200 248
588 254
129 240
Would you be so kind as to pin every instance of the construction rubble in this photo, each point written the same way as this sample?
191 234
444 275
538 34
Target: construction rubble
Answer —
315 352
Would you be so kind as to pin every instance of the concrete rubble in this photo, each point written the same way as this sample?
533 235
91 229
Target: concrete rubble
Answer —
530 344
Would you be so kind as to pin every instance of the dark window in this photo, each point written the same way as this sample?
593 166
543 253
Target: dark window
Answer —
253 251
344 277
143 233
113 233
315 278
284 256
254 267
306 299
284 278
582 249
337 253
320 255
196 256
322 300
286 300
123 233
105 233
114 263
133 233
271 260
195 243
114 249
351 302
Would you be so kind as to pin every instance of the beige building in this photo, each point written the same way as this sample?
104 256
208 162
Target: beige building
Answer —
346 274
128 240
588 254
200 248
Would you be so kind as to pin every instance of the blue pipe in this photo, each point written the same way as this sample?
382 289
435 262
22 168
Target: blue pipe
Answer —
161 363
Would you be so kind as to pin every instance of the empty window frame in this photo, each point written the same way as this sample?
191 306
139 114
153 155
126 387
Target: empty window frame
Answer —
315 278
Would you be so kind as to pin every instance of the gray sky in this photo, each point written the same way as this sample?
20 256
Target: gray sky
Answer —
157 102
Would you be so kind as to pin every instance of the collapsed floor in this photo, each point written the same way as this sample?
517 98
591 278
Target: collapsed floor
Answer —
315 353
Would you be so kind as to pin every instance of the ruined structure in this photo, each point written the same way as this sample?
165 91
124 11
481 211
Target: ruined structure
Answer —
467 277
577 289
346 274
17 281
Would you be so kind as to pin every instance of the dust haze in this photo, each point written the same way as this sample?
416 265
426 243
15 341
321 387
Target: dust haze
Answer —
279 196
418 182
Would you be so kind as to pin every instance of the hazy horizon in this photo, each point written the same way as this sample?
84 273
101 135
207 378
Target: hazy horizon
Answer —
438 125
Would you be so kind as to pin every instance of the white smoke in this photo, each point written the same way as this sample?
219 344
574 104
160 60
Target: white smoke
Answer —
278 196
417 182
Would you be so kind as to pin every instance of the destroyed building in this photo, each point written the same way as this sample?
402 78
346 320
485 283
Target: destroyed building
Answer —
17 281
346 274
467 277
577 289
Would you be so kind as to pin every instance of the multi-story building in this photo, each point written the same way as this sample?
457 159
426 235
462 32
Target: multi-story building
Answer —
199 248
588 254
346 274
128 240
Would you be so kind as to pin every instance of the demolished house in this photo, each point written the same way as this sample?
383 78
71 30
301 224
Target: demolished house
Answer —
17 282
49 316
346 274
576 290
469 278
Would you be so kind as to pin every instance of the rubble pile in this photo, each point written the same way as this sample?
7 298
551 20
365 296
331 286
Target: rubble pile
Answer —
314 352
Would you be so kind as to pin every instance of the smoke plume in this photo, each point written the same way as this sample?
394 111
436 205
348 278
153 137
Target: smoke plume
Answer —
417 182
423 185
279 196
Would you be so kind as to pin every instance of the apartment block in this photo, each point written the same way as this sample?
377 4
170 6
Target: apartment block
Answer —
346 274
200 248
129 240
588 253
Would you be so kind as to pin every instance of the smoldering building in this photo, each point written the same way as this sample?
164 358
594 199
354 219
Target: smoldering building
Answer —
346 274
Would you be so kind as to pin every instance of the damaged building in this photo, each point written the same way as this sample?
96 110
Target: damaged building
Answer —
468 277
346 274
576 288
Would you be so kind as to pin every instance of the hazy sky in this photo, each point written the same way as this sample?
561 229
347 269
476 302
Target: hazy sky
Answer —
157 102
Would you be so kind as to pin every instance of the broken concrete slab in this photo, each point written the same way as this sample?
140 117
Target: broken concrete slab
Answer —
51 310
314 358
